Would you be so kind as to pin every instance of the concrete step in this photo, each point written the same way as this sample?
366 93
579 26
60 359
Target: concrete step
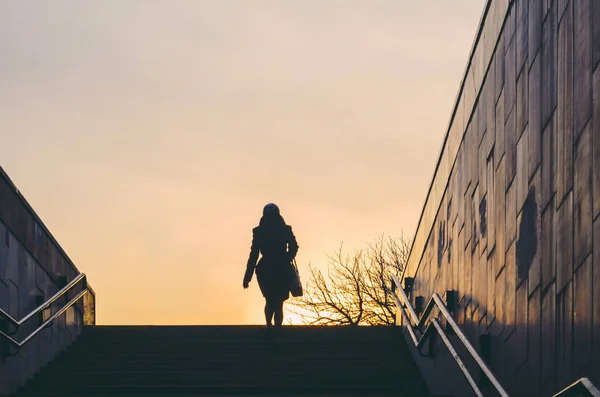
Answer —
231 361
245 390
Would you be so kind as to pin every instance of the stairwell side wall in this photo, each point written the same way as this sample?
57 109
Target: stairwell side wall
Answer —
31 261
511 220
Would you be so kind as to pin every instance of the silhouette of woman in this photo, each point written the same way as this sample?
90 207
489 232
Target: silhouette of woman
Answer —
276 242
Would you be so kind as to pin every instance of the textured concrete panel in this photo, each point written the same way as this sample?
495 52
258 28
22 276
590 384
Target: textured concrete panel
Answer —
522 102
522 178
519 386
511 288
549 385
510 148
475 318
582 200
546 7
510 27
482 224
596 141
595 301
13 260
562 7
467 162
565 106
521 325
595 33
500 137
535 116
500 208
548 259
499 304
549 162
490 114
472 145
535 28
468 273
548 65
533 216
510 80
534 340
4 296
464 177
27 284
500 70
491 210
450 259
527 238
475 287
481 118
582 316
469 97
582 67
564 244
13 302
564 336
522 39
3 252
468 211
482 282
511 214
41 279
482 169
548 360
460 261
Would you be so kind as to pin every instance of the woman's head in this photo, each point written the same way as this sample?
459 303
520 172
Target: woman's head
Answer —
271 209
271 216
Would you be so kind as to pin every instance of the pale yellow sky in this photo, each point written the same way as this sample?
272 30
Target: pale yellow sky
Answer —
149 134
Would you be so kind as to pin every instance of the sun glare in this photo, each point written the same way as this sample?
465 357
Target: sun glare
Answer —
293 319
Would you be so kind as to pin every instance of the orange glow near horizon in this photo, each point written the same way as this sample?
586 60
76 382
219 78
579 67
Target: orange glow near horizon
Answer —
149 135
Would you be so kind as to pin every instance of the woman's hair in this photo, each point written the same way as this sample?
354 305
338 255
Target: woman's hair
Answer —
271 220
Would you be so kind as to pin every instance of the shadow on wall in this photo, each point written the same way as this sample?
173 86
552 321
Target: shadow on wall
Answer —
527 242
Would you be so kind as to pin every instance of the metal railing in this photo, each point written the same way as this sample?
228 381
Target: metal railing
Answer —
583 387
9 321
414 322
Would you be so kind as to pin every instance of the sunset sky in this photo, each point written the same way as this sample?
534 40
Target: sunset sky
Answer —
148 135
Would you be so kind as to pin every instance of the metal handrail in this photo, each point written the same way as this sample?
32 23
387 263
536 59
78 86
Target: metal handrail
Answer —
576 388
81 278
45 323
435 301
47 304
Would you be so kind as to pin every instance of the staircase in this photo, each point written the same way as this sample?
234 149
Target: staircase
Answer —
231 361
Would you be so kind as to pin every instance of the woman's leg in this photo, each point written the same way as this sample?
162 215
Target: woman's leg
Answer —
269 311
278 320
278 313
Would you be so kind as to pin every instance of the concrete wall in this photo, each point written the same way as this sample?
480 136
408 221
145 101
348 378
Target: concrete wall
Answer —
511 219
30 264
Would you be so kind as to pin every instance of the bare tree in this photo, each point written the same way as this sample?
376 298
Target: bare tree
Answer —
356 289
